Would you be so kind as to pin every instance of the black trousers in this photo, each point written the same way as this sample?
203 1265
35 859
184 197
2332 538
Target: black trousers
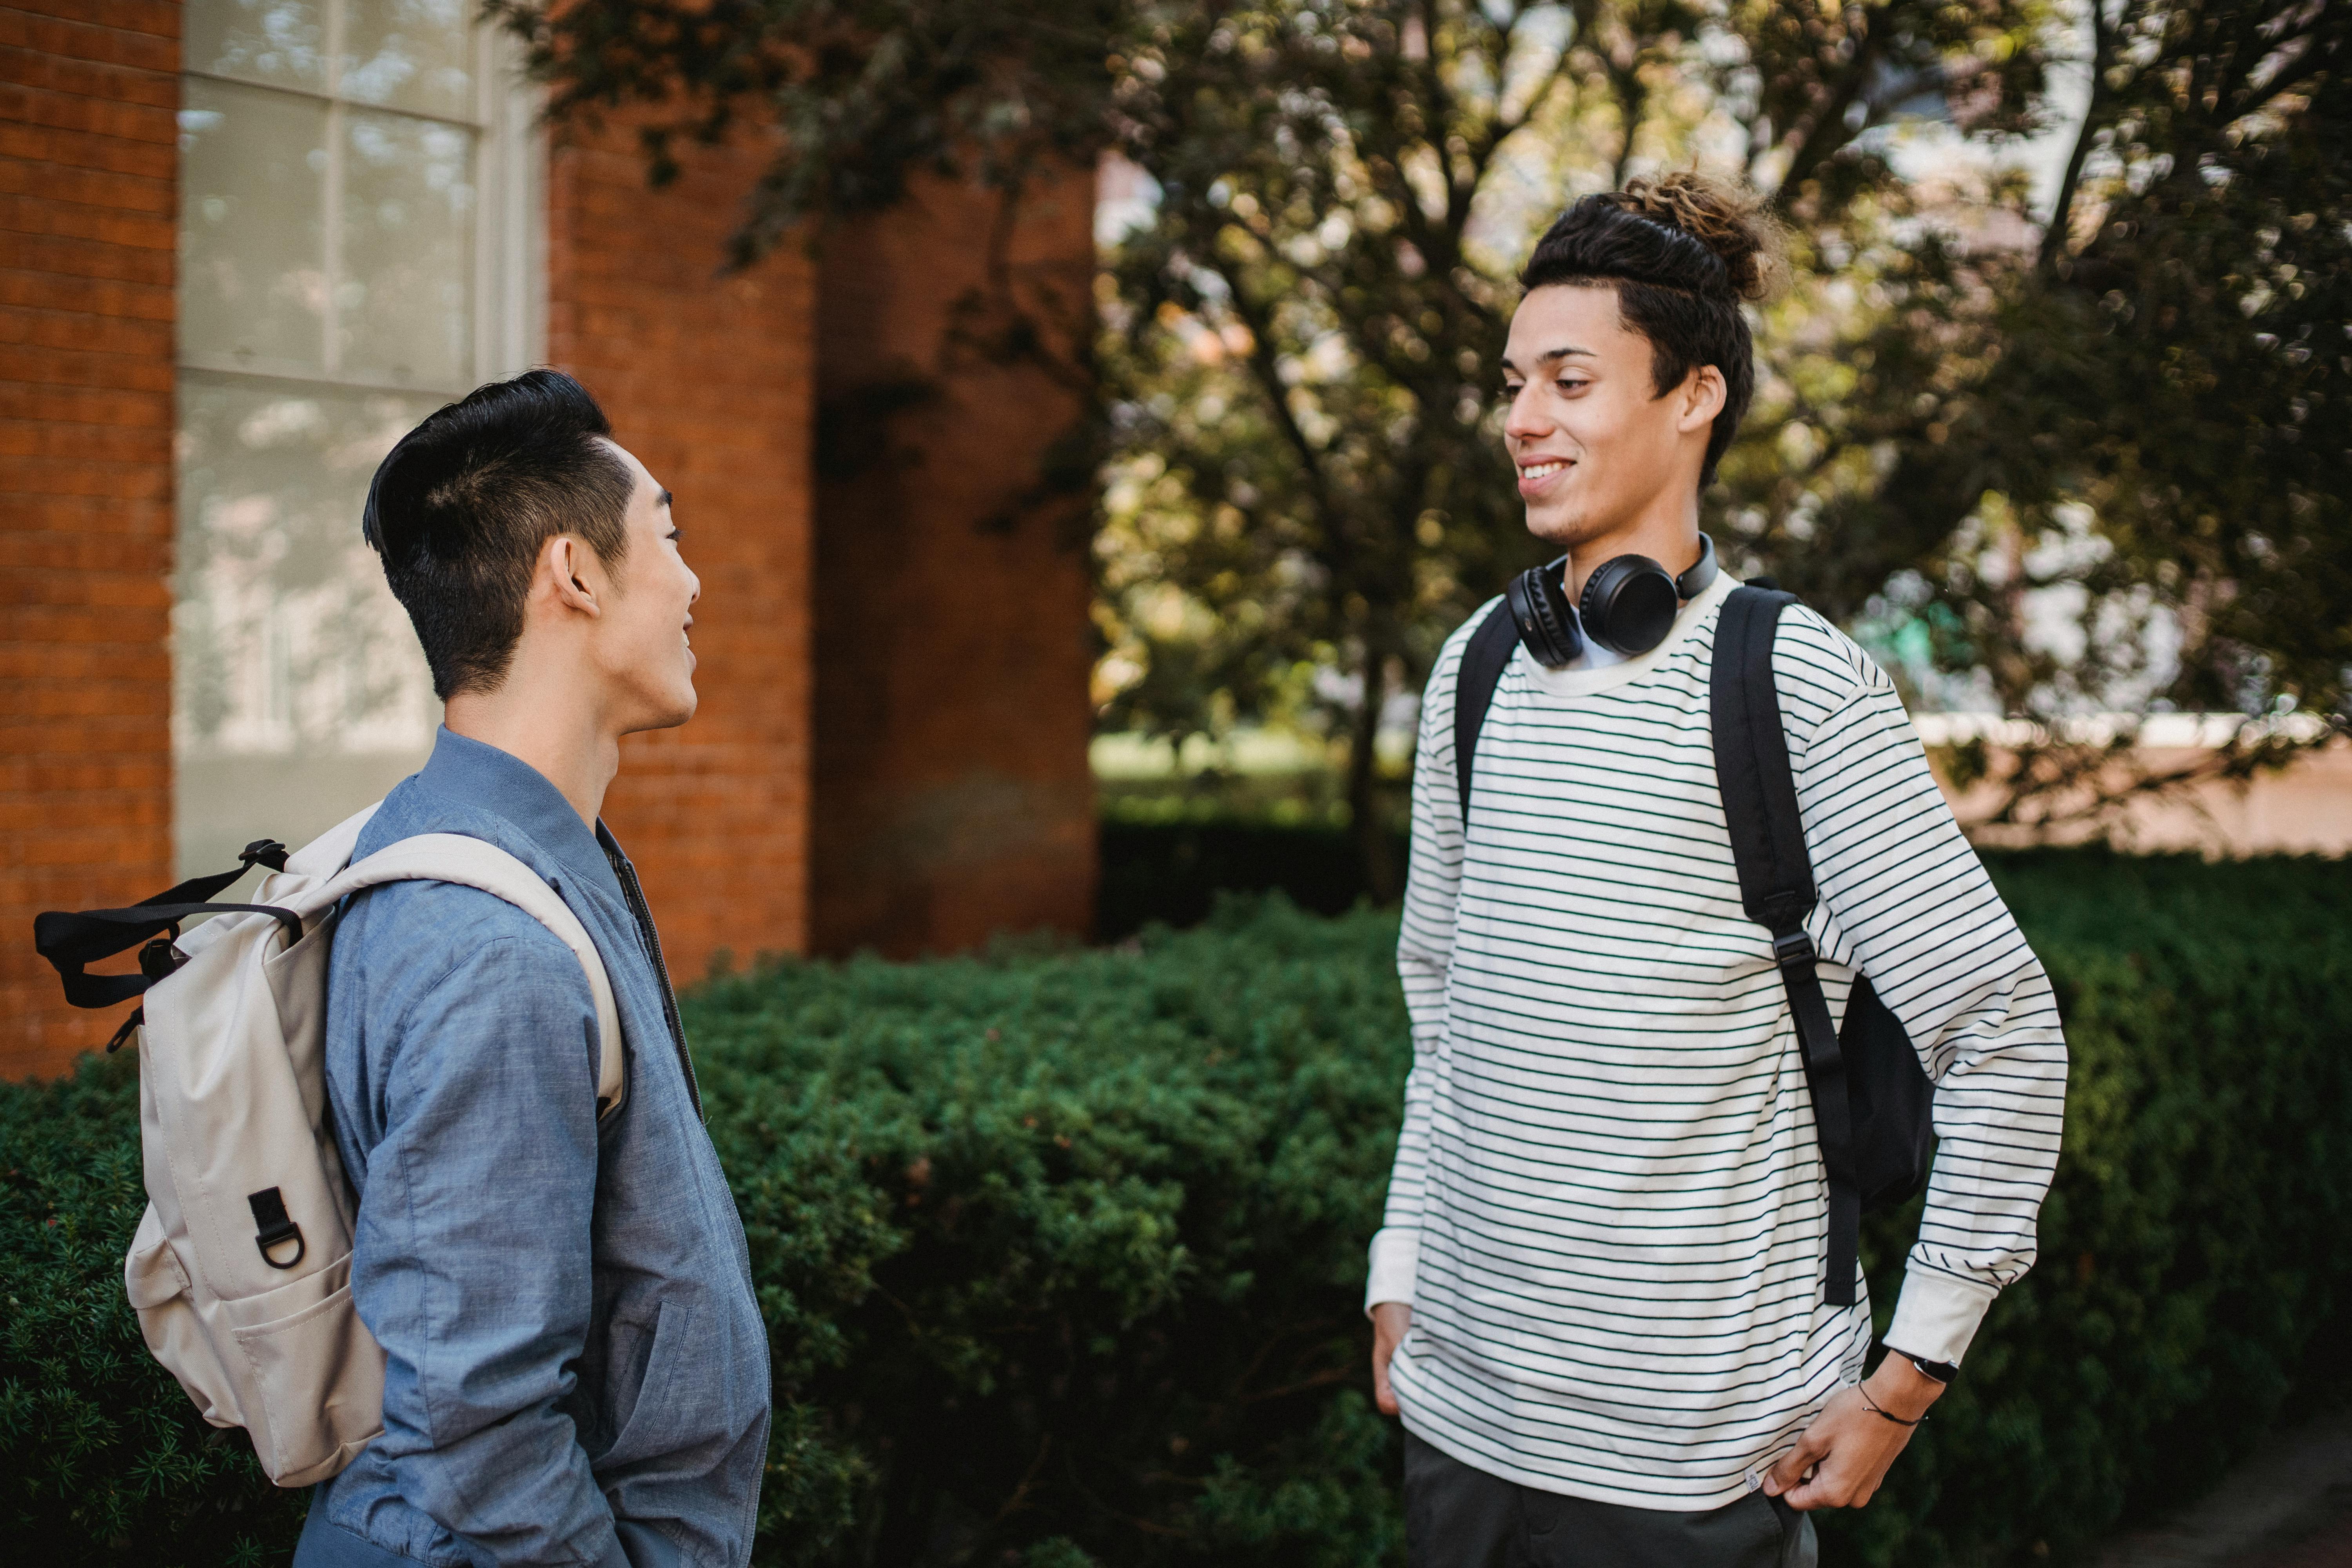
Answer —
1457 1516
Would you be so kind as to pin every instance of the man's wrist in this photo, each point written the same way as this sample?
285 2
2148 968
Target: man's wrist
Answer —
1902 1388
1942 1372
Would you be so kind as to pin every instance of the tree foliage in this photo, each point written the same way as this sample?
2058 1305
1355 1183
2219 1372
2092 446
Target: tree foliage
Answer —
2045 468
2121 481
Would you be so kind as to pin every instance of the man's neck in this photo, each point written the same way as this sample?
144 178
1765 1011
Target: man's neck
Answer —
545 719
1667 534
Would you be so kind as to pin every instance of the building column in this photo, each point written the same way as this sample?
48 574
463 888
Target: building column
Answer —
706 378
954 505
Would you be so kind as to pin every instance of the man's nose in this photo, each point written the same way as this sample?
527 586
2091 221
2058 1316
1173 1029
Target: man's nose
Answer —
1527 420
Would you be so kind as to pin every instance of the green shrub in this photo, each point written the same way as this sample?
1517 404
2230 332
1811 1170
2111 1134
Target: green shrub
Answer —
1067 1247
2192 1279
102 1458
1061 1251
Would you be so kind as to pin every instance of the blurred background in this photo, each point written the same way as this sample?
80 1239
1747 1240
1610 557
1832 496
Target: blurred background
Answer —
1082 413
1087 409
1086 412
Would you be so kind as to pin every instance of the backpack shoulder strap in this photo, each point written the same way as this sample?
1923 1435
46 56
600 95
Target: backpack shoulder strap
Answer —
1751 765
1484 659
1776 887
475 863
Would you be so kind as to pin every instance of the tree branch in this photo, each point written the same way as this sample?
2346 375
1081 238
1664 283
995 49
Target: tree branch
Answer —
2056 238
1816 138
1267 374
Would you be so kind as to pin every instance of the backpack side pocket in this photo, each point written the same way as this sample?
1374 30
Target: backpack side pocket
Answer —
157 1283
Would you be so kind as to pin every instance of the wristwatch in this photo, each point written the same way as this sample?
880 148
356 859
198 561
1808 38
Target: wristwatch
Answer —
1938 1371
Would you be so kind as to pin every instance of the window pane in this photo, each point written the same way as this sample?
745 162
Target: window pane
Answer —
252 226
410 54
405 299
299 691
276 41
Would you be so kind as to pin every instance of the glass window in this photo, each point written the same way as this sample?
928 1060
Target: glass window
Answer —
409 54
406 295
253 284
333 240
279 43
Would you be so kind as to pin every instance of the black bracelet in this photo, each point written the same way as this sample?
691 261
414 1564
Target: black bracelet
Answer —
1938 1371
1885 1415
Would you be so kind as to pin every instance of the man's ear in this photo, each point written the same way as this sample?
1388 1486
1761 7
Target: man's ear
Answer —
1703 395
565 571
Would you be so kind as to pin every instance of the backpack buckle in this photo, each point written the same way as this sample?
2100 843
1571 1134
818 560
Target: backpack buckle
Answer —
265 852
159 960
1793 949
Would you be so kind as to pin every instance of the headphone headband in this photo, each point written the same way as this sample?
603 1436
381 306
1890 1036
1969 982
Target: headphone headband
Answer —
1701 576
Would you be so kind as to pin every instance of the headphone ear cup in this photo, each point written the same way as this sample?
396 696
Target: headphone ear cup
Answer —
1539 608
1630 604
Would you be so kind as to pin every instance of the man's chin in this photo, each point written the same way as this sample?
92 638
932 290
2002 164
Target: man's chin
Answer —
667 714
1556 524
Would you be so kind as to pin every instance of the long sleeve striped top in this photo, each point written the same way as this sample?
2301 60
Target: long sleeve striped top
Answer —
1608 1210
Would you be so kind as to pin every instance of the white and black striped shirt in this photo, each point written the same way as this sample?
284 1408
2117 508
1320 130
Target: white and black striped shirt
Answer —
1608 1210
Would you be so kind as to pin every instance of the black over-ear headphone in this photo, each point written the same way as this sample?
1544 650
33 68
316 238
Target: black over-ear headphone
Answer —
1628 606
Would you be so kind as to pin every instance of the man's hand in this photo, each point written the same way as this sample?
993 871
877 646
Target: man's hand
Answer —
1389 1321
1844 1455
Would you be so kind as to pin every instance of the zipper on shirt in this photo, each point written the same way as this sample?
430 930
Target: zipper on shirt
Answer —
627 874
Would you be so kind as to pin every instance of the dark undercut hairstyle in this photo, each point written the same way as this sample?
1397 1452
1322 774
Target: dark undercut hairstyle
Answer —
459 509
1683 253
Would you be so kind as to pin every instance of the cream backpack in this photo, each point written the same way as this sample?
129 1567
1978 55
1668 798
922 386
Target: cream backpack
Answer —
240 1270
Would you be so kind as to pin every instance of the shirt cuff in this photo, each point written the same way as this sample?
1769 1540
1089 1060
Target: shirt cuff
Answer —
1396 1254
1937 1315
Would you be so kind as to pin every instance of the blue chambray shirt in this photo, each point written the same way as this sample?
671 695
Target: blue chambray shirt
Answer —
576 1368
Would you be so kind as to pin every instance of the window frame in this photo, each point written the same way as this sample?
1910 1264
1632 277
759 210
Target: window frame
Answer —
510 238
508 280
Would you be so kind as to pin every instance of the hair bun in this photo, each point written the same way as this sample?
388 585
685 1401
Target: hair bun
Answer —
1730 220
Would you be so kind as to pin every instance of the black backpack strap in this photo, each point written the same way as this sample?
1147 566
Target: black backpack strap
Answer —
69 940
1484 660
1777 889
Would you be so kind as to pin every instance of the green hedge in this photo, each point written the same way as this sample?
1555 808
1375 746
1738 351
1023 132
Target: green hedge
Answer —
1062 1250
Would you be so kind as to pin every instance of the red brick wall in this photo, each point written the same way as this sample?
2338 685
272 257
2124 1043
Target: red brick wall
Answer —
88 162
953 797
707 379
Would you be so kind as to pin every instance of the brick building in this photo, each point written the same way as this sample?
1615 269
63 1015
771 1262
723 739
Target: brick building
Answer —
243 246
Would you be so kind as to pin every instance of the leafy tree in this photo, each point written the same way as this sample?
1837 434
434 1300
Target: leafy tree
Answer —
2176 361
2131 433
2107 472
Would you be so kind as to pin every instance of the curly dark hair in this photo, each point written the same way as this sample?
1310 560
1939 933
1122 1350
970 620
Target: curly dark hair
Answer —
1684 252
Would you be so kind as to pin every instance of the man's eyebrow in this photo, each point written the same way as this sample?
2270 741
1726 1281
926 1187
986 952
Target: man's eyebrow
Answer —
1552 356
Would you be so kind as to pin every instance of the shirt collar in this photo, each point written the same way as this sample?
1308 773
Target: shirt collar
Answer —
1583 680
480 774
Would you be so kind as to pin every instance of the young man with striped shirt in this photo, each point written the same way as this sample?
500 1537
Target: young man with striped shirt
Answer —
1598 1293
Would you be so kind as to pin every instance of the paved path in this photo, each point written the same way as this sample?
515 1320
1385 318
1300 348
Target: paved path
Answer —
2288 1505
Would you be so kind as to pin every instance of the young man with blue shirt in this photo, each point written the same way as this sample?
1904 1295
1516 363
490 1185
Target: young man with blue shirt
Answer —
576 1369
